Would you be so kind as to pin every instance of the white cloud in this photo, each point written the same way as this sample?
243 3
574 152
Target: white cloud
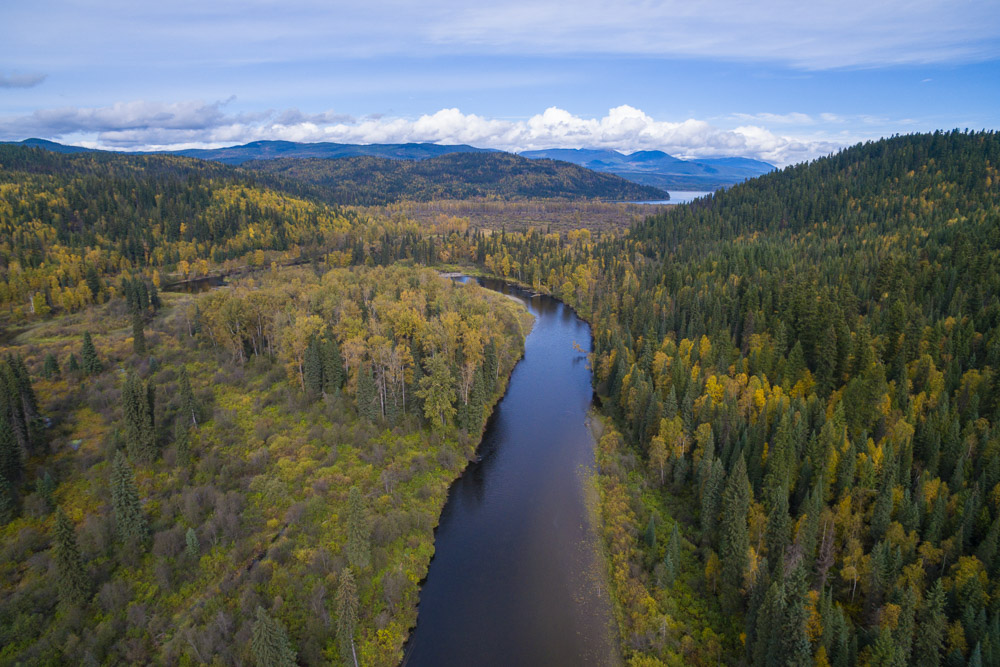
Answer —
142 125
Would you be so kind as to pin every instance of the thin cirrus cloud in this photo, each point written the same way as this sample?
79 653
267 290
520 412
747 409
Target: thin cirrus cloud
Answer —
808 35
156 126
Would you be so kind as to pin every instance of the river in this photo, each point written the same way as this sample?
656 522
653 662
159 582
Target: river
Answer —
516 577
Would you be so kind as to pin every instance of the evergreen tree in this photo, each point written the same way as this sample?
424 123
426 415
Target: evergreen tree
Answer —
711 496
11 466
188 407
366 397
313 368
269 642
91 364
50 367
358 547
46 488
735 540
130 523
140 436
333 366
74 583
933 625
347 615
73 366
138 335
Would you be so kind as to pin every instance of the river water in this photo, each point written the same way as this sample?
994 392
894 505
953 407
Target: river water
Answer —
516 578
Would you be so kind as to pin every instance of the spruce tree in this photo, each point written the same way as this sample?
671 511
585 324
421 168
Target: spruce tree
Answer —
130 523
140 436
50 367
358 547
711 495
313 368
269 642
11 466
365 397
138 335
735 539
347 615
74 584
46 487
188 407
73 365
333 366
933 624
91 364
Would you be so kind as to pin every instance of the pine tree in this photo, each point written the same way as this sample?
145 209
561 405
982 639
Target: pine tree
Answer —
358 547
188 407
347 615
933 625
140 436
138 335
50 367
735 540
269 642
74 584
333 366
91 364
365 397
11 466
130 523
313 368
711 495
46 488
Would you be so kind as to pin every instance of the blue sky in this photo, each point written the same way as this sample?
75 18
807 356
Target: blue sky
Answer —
781 81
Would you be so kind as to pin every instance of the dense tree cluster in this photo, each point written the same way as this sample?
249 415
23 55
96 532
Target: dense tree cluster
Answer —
261 487
808 361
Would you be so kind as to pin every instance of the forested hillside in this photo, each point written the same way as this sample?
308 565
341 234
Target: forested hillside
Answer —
377 180
804 373
249 476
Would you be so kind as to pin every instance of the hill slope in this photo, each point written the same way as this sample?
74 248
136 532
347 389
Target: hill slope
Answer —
805 373
372 180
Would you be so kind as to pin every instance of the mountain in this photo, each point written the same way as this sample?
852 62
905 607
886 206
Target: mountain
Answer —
270 150
380 180
49 146
659 169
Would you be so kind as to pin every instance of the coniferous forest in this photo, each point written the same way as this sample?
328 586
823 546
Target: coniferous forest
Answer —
799 424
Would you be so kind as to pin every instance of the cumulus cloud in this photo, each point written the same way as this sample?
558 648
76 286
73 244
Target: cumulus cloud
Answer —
142 125
11 80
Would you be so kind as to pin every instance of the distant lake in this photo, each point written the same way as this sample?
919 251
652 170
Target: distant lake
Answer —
676 197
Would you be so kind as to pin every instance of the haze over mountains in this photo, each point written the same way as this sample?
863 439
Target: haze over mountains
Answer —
651 168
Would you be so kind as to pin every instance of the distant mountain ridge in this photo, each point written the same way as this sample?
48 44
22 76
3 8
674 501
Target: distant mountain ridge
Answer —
651 168
660 169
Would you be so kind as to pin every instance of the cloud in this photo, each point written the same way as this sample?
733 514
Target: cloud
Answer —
142 125
20 80
821 34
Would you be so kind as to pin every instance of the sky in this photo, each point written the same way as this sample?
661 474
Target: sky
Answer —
777 80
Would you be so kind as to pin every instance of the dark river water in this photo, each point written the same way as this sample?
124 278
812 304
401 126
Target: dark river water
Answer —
515 578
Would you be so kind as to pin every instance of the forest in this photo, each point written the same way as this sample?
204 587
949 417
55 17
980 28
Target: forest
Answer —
172 467
378 180
800 453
